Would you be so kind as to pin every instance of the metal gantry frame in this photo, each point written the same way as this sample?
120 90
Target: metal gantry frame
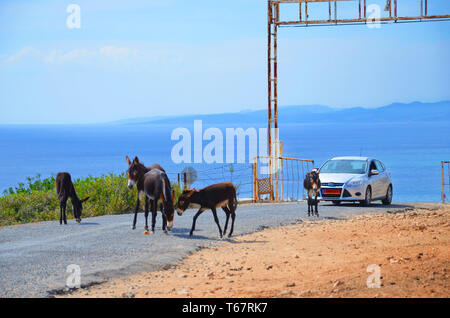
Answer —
274 22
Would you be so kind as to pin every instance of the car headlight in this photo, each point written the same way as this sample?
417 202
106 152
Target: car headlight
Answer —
354 184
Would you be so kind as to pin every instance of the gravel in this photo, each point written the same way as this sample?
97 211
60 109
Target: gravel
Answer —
34 257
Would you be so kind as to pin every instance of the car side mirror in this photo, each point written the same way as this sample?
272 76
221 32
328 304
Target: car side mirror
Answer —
374 172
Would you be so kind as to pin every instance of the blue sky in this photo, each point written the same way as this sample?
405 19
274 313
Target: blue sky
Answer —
140 58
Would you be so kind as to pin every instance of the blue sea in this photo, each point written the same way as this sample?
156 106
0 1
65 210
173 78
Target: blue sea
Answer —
412 151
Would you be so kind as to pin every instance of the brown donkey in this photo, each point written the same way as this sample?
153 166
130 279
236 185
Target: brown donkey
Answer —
65 190
136 176
221 195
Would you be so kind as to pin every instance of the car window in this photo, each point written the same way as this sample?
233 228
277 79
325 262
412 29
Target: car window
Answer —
345 166
373 166
379 165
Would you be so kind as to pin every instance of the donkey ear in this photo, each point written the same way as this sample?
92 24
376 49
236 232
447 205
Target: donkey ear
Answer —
190 193
136 160
128 160
85 199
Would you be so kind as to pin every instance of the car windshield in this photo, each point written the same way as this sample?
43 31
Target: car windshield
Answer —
344 166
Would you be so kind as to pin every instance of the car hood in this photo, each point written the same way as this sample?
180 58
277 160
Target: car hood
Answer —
338 177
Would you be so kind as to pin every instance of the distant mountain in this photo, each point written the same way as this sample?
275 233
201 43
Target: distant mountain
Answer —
396 112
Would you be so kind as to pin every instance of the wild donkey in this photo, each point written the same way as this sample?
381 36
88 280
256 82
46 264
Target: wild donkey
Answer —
65 190
312 184
155 186
218 195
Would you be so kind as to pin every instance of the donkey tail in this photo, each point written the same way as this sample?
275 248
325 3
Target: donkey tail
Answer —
59 190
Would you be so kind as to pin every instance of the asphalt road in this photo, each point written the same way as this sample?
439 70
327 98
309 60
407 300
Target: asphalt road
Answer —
34 257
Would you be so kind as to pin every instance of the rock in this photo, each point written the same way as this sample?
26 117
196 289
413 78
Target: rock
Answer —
337 283
393 261
269 267
182 276
128 295
290 285
287 293
182 292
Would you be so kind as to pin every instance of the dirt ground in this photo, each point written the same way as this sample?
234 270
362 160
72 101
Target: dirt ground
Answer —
312 259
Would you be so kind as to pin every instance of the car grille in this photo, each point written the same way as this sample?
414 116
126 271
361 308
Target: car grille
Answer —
332 184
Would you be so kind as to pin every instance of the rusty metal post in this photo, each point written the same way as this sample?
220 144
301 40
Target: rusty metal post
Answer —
359 9
275 96
300 10
269 74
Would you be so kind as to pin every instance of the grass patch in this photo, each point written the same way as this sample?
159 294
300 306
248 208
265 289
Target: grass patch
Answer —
37 199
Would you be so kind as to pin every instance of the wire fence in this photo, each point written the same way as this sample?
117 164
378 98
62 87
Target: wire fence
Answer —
291 179
240 174
445 166
283 181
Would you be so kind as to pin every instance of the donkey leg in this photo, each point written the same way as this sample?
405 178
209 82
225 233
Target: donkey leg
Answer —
317 206
138 202
200 211
146 213
64 205
216 219
60 213
164 220
154 213
227 212
233 217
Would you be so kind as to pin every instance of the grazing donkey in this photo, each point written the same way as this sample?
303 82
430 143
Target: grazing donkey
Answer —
221 195
137 175
312 184
65 190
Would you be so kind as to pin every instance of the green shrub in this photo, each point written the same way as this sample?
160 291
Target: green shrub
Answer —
37 201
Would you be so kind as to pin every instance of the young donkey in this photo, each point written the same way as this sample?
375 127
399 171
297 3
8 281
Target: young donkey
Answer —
218 195
155 185
312 184
65 190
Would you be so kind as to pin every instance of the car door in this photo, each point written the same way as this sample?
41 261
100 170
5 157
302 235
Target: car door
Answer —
375 181
383 178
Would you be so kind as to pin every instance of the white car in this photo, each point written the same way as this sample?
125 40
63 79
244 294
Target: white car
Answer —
357 179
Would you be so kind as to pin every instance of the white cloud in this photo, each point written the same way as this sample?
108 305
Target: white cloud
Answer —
27 51
108 53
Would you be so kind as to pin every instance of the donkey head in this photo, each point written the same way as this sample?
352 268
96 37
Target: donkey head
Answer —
169 211
184 200
134 172
314 179
78 208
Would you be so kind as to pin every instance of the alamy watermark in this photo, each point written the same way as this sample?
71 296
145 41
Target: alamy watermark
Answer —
74 278
374 279
73 21
231 148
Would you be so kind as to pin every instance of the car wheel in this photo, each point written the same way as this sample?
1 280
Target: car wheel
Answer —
336 202
368 197
388 199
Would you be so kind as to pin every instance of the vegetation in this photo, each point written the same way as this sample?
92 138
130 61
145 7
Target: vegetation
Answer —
37 200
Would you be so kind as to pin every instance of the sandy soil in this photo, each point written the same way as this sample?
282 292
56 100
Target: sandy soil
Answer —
312 259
